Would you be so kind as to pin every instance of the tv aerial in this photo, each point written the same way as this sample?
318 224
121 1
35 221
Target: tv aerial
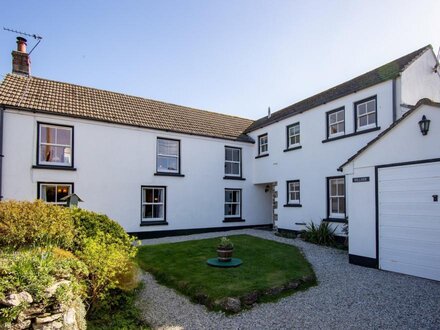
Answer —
35 36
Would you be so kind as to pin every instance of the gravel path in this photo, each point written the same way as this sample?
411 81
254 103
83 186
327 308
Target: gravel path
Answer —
347 297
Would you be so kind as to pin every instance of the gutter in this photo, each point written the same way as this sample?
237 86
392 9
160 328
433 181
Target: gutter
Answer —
394 100
2 110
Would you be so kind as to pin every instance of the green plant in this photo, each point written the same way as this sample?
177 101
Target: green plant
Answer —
322 234
35 224
225 243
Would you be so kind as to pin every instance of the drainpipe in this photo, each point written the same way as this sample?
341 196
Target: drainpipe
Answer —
2 110
394 100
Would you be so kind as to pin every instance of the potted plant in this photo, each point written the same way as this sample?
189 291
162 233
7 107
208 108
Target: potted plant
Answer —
225 249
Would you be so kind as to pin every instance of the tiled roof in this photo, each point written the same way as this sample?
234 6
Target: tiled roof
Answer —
397 122
42 95
385 72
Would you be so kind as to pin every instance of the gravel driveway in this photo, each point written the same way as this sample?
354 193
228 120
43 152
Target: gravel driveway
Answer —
347 297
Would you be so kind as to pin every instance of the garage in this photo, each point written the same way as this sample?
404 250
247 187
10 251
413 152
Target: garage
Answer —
409 219
393 196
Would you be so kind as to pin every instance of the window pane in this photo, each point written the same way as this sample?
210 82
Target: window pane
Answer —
332 118
340 115
228 196
371 105
168 164
147 211
235 168
168 147
158 195
148 195
363 121
340 127
362 109
341 189
228 152
158 211
372 118
228 168
341 205
334 205
55 154
236 155
47 134
263 148
49 193
228 210
235 209
62 191
333 188
63 136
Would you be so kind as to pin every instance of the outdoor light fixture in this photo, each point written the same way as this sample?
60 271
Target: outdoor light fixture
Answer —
424 125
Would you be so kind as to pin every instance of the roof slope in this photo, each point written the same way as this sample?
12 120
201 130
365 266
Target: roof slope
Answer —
397 122
385 72
41 95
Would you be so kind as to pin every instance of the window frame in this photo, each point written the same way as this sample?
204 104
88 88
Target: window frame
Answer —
232 218
291 202
358 128
260 153
328 114
331 215
240 162
42 183
295 145
72 143
154 221
179 156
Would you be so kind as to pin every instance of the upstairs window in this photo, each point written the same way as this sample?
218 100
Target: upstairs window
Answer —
336 197
336 122
263 144
168 156
232 203
293 135
293 192
153 203
366 113
232 162
55 145
53 192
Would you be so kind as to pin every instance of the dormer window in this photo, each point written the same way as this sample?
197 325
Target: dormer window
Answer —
55 145
366 113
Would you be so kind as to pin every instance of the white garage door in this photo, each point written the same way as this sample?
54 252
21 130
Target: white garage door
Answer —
409 219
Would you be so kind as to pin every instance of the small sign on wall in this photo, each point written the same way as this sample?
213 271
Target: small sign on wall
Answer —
361 179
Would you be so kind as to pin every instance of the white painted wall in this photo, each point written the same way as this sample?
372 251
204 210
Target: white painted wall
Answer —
420 81
113 162
404 143
315 161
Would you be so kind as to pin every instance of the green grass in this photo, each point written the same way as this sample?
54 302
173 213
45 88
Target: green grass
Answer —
266 264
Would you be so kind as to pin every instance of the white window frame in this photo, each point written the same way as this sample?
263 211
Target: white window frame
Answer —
293 135
261 144
233 161
145 203
41 143
366 114
234 216
338 181
177 157
56 185
334 114
293 188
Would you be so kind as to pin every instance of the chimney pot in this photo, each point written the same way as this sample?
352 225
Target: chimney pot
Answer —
21 44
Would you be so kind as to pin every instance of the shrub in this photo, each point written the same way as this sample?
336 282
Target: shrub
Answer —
35 223
322 234
34 271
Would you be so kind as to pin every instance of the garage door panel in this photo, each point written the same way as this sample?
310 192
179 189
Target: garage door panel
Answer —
409 219
411 209
431 222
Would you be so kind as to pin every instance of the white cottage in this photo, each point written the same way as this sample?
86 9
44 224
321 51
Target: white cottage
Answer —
162 169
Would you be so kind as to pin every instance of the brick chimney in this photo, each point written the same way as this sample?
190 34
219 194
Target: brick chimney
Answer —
21 63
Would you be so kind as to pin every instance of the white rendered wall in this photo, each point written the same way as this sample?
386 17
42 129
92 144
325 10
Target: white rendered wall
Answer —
420 81
114 161
315 161
404 143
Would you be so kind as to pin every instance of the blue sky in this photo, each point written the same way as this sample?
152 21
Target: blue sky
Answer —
235 57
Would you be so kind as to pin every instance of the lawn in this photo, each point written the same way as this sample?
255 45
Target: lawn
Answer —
269 270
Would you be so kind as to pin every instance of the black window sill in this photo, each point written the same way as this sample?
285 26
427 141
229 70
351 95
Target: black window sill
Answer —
337 220
300 224
168 174
261 156
351 134
234 220
153 223
233 178
293 148
292 205
54 167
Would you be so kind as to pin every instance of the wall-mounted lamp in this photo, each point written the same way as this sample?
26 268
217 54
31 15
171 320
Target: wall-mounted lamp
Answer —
424 125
